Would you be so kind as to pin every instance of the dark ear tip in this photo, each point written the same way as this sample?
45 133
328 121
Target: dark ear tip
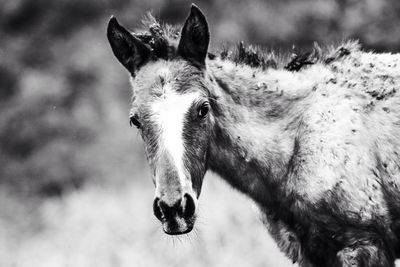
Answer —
112 27
194 7
112 22
195 10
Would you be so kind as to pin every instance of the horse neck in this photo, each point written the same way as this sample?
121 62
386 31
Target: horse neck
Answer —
255 125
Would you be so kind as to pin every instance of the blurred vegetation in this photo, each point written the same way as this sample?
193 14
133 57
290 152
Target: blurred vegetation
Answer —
64 98
52 64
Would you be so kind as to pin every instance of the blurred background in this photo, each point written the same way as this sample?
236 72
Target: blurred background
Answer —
75 189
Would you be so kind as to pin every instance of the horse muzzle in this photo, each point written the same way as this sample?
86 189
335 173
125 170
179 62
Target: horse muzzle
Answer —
177 218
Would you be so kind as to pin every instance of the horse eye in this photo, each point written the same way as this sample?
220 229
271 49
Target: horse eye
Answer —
203 111
134 121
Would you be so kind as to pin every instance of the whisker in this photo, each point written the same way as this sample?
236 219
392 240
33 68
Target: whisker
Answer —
173 241
179 239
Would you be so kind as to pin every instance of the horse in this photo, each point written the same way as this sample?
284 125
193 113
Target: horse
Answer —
313 139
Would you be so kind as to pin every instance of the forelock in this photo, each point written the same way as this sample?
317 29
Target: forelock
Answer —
161 38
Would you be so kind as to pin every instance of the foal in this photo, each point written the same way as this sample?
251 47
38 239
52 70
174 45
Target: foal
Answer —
314 143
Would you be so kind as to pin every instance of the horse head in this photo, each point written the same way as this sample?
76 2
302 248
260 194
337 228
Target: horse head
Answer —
171 110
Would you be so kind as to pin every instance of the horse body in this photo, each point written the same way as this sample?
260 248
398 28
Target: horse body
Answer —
325 168
315 145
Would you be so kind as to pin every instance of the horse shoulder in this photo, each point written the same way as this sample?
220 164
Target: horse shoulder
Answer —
338 142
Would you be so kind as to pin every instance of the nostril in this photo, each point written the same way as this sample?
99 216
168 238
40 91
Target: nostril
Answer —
189 207
182 208
156 209
166 211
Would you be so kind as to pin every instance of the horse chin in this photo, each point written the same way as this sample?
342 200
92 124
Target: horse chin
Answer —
178 226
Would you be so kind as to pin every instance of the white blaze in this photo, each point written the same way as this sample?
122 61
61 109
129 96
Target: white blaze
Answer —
169 114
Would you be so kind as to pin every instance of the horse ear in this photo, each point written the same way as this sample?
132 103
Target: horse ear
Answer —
128 49
195 37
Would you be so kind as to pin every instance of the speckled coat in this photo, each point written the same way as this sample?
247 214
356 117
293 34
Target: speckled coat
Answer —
318 149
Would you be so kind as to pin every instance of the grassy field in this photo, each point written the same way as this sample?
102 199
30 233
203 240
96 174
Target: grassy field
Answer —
111 227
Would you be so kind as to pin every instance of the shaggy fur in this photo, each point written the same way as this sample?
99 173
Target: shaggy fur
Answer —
315 155
314 140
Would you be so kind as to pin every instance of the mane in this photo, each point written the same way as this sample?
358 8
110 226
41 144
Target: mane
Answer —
163 40
258 57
